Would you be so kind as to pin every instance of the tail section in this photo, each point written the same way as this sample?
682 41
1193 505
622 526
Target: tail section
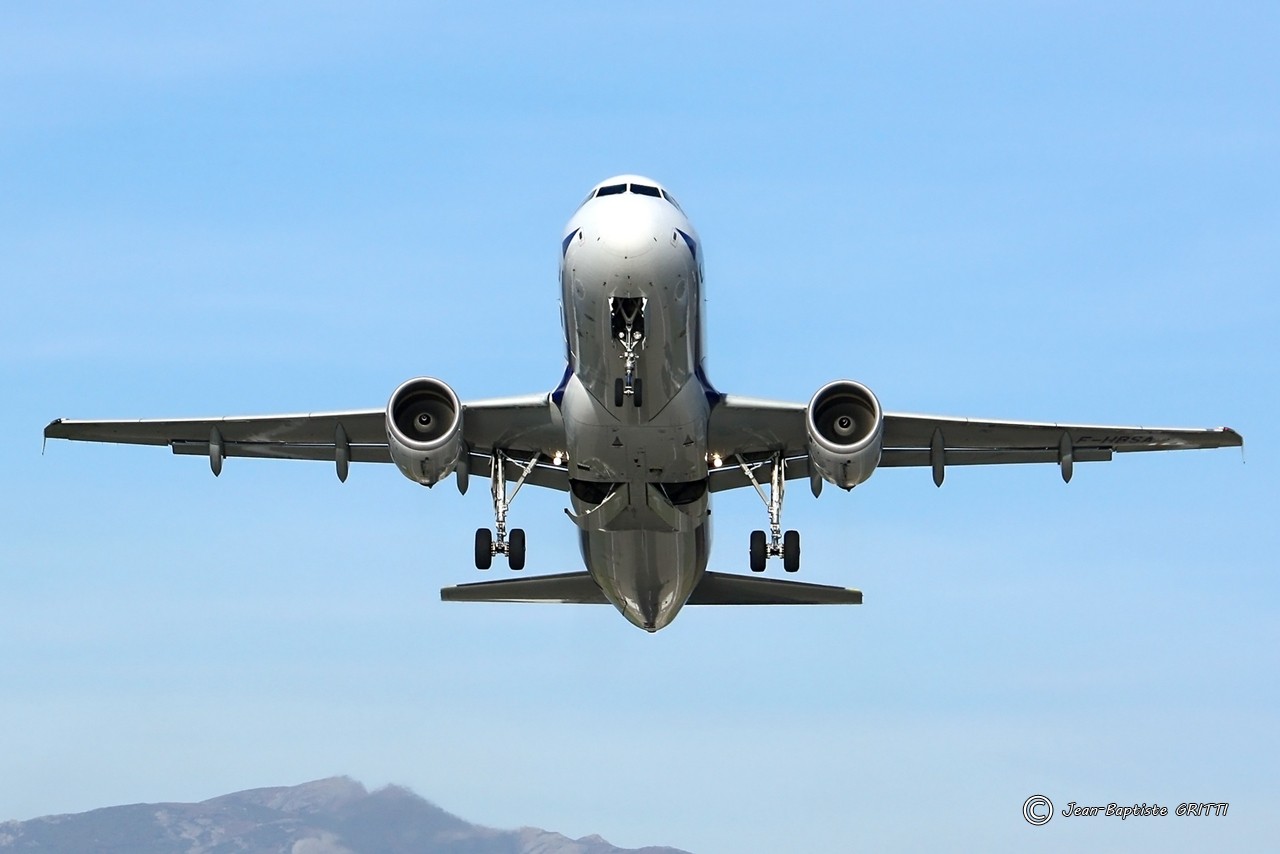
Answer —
715 588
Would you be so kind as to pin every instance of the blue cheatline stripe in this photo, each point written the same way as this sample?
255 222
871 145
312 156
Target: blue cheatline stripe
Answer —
557 396
713 396
564 244
693 244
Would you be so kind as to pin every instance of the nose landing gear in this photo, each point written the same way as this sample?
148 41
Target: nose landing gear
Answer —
778 544
513 546
626 322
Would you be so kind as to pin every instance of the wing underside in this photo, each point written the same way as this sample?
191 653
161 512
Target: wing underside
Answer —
751 430
758 430
521 427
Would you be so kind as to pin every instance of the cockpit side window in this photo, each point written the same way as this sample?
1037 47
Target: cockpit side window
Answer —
669 198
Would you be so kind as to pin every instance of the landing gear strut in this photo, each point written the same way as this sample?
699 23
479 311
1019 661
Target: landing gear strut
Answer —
487 545
778 544
627 324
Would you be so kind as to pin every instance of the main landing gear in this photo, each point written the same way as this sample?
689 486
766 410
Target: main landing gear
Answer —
777 544
627 324
511 545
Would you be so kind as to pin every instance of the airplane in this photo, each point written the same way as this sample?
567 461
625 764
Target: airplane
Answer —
637 436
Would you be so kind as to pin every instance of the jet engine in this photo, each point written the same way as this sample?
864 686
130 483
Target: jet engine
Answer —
424 430
846 428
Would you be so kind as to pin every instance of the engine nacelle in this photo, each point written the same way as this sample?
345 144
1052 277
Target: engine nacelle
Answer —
424 430
846 429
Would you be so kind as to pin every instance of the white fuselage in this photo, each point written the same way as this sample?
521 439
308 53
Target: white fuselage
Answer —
635 401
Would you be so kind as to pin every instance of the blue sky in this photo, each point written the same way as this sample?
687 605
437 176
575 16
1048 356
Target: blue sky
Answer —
1044 211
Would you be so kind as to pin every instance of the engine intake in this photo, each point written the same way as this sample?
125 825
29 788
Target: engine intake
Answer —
424 430
846 429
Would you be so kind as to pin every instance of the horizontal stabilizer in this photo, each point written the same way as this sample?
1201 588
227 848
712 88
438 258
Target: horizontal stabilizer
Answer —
574 588
719 588
715 588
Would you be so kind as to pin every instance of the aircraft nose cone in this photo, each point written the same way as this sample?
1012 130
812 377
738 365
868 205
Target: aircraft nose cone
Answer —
630 233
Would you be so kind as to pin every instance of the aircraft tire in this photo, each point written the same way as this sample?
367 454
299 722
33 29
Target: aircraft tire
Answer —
617 392
484 544
758 556
791 551
515 557
635 392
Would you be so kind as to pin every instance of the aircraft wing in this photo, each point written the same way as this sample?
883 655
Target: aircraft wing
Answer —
757 429
310 436
519 426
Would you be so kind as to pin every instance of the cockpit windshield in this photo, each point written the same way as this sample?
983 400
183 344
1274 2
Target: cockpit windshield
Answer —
634 189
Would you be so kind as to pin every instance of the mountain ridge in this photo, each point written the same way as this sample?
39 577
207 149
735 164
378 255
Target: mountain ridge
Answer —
336 815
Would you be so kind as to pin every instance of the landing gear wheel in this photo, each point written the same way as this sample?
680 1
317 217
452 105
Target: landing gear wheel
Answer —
617 392
484 548
635 391
515 548
791 551
758 554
